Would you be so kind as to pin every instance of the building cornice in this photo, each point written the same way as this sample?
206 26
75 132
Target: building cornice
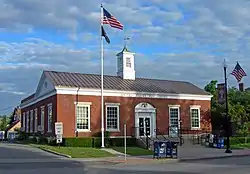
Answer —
115 93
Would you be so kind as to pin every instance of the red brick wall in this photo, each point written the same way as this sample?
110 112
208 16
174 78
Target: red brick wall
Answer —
66 113
38 105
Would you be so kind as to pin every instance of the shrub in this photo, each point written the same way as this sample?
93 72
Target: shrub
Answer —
238 140
96 142
78 142
51 141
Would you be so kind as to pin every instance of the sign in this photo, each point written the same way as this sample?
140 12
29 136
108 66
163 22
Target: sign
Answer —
221 93
58 128
58 138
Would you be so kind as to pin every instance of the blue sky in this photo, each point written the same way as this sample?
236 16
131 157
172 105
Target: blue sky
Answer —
177 39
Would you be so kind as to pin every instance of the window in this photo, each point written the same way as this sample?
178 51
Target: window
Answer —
128 62
27 121
31 121
195 117
42 118
35 116
82 117
174 116
112 117
50 117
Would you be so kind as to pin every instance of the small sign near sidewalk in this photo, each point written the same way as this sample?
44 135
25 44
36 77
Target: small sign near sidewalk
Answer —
59 132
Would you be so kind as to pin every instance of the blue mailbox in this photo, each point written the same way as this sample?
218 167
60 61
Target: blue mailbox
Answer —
220 143
159 149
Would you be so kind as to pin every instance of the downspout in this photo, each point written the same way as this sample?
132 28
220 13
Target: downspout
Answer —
76 132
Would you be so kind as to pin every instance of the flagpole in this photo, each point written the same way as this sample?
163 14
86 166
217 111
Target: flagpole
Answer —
102 104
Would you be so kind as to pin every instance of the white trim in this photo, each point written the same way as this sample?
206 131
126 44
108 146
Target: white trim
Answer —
174 106
34 101
118 117
199 117
89 117
195 106
27 122
83 103
113 104
48 120
115 93
42 108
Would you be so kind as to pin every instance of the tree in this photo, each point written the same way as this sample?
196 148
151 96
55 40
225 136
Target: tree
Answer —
217 110
238 105
4 123
211 88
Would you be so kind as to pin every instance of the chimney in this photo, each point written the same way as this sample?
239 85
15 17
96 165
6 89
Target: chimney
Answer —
241 87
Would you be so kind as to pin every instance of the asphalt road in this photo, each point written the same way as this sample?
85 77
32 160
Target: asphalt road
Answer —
19 159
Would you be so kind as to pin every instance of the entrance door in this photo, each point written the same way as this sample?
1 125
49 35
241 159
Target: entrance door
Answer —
144 126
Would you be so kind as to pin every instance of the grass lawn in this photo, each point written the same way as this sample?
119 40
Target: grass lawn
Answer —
134 151
77 152
241 146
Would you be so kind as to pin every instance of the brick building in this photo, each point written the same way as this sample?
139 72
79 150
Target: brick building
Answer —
148 106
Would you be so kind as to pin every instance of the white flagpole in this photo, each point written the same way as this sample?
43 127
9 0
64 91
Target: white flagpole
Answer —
102 53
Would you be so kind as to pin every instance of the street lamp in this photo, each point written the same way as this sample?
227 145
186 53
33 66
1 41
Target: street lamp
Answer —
226 116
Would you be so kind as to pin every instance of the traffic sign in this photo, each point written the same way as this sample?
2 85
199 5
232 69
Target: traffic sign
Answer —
59 138
59 128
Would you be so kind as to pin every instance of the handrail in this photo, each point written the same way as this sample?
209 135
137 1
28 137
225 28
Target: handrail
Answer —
159 133
148 139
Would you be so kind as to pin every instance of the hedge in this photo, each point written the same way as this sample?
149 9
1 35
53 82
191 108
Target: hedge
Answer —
96 142
238 140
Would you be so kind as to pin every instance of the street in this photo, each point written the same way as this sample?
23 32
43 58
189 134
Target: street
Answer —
21 159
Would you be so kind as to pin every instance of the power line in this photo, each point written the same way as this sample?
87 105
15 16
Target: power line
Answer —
4 109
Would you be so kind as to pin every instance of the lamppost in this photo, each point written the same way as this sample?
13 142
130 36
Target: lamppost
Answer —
226 116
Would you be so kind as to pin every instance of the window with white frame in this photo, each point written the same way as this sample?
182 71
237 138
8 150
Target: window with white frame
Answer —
112 117
27 121
35 121
42 118
31 120
195 117
49 117
83 117
173 116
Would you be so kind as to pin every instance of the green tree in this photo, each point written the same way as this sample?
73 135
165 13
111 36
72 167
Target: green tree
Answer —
4 123
238 105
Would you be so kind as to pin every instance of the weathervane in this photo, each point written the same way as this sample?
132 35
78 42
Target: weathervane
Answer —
126 41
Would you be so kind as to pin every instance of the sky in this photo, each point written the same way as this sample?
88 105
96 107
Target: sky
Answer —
172 39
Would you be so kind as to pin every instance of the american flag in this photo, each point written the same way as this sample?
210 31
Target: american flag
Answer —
111 20
238 72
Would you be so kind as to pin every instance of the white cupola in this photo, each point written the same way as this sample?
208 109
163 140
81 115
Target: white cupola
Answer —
126 64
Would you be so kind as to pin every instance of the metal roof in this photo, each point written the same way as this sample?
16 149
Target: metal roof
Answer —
69 79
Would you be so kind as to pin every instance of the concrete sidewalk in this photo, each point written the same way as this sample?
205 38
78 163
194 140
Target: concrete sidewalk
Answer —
184 156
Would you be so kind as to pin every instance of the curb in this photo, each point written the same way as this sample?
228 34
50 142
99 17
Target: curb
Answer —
209 158
55 153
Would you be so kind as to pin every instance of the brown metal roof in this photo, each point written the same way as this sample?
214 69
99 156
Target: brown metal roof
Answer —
67 79
28 98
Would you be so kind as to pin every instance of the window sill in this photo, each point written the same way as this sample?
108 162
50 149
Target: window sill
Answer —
82 130
195 128
113 130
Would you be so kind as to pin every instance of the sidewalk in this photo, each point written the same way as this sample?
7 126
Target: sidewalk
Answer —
184 155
